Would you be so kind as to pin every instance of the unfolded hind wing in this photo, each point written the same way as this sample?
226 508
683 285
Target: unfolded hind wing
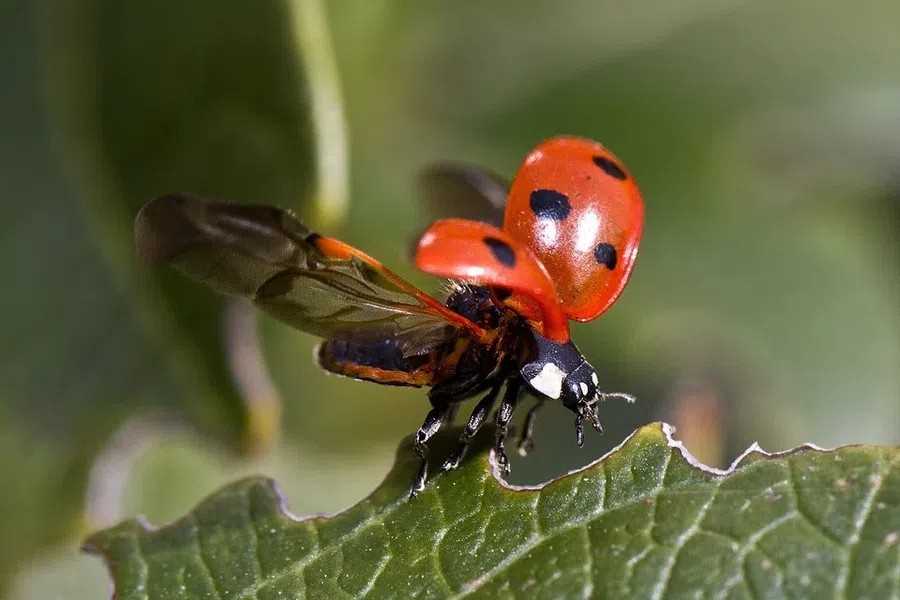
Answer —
315 284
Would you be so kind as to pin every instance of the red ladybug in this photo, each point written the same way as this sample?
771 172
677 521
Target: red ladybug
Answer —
571 225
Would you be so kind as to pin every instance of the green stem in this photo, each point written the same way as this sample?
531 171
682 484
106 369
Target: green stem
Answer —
311 36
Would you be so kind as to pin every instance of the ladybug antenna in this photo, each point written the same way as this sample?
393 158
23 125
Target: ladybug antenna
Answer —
617 395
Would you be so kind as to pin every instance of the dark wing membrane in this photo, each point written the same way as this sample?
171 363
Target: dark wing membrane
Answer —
265 254
345 299
464 191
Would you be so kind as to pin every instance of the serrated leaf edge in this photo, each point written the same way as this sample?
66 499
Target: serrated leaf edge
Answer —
667 430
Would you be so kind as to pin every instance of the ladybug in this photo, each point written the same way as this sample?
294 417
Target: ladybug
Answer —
558 244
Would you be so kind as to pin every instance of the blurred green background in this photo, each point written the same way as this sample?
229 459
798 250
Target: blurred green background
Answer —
765 304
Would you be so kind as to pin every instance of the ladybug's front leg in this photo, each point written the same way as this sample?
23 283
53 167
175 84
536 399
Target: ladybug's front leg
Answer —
504 415
431 425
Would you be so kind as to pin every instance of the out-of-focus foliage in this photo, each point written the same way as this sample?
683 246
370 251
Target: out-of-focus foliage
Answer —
145 102
137 100
765 137
644 522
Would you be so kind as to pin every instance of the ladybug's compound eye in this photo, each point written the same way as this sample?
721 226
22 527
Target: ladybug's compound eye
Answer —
580 386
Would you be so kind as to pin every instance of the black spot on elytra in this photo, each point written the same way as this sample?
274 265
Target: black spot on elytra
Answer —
550 204
610 168
501 251
606 255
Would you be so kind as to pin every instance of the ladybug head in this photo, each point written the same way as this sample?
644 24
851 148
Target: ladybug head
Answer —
580 387
559 371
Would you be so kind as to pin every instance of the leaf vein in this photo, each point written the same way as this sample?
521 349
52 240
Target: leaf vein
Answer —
750 544
588 591
681 541
254 537
436 551
801 510
379 569
299 567
201 553
859 523
145 566
534 540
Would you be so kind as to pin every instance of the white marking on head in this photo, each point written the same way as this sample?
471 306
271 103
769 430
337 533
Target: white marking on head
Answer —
549 381
594 378
584 388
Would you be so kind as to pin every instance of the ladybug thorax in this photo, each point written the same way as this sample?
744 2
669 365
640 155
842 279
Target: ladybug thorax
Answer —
581 214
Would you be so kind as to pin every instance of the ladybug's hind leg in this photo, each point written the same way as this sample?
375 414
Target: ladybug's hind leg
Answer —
436 417
504 415
526 440
473 425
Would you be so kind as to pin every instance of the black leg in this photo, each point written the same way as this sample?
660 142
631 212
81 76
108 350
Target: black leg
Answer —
593 417
579 430
434 420
589 412
504 415
476 420
526 440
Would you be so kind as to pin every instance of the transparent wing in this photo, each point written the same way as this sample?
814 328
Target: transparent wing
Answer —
460 190
266 255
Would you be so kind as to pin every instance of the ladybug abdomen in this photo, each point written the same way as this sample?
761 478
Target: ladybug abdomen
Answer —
581 214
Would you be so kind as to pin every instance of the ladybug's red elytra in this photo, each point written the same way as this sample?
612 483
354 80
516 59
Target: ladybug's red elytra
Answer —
580 212
558 244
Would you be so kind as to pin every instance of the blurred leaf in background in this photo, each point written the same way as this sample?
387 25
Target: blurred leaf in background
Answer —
764 136
146 103
139 100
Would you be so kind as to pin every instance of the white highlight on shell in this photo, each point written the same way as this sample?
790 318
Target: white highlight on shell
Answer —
547 233
587 232
549 381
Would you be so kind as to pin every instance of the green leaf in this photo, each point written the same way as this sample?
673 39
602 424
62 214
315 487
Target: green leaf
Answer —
645 521
217 99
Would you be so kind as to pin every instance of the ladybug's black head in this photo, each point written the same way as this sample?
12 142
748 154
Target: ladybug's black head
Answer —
580 387
560 371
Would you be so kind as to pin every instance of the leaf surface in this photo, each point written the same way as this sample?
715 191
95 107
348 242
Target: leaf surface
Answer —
644 521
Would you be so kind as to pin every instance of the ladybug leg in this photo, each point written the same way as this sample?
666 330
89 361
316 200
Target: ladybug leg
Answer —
504 415
476 420
585 411
579 429
526 440
431 425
